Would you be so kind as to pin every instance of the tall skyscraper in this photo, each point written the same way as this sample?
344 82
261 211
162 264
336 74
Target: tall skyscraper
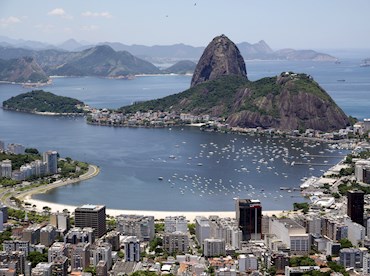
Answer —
355 206
249 217
91 216
51 160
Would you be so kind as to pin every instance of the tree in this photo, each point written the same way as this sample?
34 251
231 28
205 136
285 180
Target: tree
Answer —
143 273
304 206
111 223
90 269
37 257
191 227
159 227
31 151
345 243
301 261
337 268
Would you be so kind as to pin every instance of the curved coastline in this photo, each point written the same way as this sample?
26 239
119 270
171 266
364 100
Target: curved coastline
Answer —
27 195
93 171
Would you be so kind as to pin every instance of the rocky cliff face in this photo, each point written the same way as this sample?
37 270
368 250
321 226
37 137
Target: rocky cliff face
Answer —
220 58
294 101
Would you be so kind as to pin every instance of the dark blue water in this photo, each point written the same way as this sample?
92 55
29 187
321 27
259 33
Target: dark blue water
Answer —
201 171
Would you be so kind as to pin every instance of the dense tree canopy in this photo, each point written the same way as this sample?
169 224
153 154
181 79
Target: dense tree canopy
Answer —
41 101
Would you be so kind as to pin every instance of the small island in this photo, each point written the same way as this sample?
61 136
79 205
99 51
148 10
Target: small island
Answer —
44 103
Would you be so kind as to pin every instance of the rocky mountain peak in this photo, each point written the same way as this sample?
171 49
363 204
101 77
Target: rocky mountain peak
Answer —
221 57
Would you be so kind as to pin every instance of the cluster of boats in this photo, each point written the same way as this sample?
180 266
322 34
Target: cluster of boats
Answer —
232 169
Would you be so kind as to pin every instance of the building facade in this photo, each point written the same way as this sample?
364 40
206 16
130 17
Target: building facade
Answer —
91 216
355 206
249 217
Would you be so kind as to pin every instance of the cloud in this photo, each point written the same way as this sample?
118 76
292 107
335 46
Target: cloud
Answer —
96 14
4 22
89 28
59 12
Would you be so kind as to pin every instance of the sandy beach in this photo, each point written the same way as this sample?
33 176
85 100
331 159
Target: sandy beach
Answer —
190 215
38 205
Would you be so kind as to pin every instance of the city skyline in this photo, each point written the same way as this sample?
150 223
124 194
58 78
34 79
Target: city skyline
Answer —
281 24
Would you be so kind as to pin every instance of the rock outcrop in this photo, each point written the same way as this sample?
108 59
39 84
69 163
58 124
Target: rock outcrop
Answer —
289 101
220 58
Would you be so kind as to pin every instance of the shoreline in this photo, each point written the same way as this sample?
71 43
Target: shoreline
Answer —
93 171
27 195
44 113
190 215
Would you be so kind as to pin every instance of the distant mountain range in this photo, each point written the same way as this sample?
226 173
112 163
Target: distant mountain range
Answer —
22 70
114 59
103 61
157 53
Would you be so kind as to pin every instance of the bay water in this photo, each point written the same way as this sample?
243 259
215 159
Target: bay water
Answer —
181 169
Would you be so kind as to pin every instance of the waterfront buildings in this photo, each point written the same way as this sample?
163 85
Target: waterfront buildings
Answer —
291 235
91 216
134 225
355 206
16 148
202 229
51 160
175 224
249 217
37 168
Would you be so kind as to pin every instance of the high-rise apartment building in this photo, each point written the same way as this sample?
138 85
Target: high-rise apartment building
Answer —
51 159
132 249
91 216
355 206
249 217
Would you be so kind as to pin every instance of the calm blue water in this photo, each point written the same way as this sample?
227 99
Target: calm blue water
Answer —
201 171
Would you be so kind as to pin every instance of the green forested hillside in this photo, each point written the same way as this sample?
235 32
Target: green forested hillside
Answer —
288 101
41 101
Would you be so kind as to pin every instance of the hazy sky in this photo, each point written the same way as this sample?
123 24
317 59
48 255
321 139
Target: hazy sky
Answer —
300 24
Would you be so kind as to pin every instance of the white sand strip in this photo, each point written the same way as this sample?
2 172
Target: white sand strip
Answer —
190 215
